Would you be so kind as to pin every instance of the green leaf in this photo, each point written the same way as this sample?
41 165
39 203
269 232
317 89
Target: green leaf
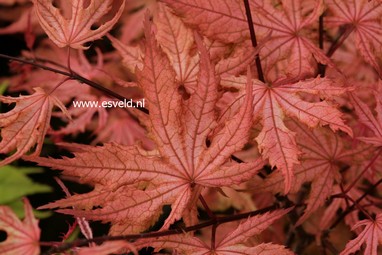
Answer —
14 184
17 207
3 87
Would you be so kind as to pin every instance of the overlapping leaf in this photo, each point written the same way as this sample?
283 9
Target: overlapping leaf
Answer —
272 103
233 243
26 125
323 154
371 236
287 26
77 30
22 236
374 123
363 17
132 185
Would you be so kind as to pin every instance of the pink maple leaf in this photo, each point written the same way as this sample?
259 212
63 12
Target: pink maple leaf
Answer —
273 102
132 185
26 124
76 31
22 236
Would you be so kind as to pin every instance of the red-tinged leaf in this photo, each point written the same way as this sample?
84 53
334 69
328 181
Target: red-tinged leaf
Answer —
233 136
240 58
22 236
107 248
132 56
157 79
272 102
366 117
289 45
76 31
323 156
371 236
20 26
122 129
323 152
281 28
131 185
233 243
177 42
251 227
219 19
364 18
81 117
26 124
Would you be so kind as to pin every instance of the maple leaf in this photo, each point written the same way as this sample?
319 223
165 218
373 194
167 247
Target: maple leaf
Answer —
76 31
289 45
323 155
131 56
367 117
371 236
22 237
177 42
132 185
122 129
284 28
26 124
273 101
364 18
232 243
220 19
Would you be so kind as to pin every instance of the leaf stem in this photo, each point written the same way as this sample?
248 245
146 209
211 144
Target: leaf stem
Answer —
253 39
206 207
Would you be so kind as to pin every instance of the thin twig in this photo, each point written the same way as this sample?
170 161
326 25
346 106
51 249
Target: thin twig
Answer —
253 39
351 208
131 238
321 33
75 76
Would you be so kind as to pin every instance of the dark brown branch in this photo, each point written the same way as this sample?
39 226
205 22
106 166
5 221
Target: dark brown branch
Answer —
131 238
343 34
321 34
351 208
253 39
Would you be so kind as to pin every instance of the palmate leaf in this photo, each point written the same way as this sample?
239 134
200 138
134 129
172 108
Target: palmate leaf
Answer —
323 154
374 123
220 19
22 237
132 185
26 125
371 236
285 28
364 18
76 31
177 42
273 102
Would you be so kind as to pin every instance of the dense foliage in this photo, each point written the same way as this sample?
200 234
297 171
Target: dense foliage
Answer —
201 127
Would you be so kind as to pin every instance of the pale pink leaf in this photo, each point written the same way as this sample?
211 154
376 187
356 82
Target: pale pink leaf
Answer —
371 236
26 125
77 30
22 236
